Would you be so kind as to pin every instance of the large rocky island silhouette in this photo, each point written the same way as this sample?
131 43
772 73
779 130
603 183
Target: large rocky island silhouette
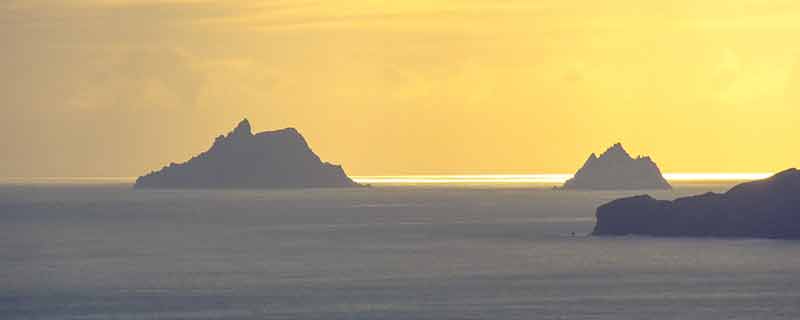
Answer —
615 169
241 159
767 208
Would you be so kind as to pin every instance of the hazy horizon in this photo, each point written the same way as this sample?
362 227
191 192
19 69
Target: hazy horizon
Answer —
120 87
545 179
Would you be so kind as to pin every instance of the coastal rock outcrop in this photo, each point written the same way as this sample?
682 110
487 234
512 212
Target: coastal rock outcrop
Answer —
767 208
241 159
615 169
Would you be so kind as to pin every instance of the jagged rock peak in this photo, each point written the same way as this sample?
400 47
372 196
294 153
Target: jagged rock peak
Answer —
617 150
614 169
592 158
242 129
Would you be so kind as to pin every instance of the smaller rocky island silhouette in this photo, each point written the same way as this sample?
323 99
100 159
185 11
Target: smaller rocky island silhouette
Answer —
767 208
241 159
615 169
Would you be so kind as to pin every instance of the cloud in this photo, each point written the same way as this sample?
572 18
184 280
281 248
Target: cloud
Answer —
138 79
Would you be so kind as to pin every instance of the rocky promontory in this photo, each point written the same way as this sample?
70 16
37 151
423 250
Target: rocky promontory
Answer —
767 208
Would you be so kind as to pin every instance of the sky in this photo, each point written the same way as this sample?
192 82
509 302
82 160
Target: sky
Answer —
117 88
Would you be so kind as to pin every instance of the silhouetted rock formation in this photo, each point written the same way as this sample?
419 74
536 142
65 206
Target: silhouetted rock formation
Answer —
616 170
764 209
274 159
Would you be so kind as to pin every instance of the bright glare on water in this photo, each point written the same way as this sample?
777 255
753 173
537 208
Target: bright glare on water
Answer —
546 179
105 251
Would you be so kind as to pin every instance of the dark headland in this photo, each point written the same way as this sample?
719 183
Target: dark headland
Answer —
241 159
767 208
615 169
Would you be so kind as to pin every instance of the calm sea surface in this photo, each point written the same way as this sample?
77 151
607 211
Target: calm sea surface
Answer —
104 251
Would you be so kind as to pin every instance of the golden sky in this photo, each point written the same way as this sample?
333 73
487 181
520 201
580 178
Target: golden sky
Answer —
120 87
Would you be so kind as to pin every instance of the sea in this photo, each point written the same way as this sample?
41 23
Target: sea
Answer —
418 247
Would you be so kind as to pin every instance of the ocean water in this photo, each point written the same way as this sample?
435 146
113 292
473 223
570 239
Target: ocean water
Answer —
104 251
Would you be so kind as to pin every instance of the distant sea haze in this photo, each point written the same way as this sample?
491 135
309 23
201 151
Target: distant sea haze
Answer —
433 179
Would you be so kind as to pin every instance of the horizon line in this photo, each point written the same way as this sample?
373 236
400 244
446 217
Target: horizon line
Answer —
540 178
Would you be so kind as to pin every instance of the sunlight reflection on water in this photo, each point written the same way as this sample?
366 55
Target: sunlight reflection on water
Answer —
537 178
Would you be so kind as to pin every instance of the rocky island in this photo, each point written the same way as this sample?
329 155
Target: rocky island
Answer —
767 208
615 169
241 159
